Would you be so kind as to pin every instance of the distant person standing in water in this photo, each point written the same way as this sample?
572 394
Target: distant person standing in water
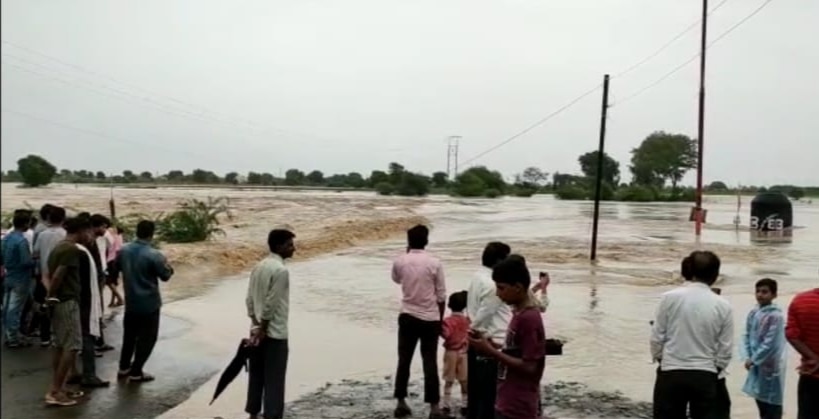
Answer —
692 338
490 316
421 277
802 331
268 306
142 268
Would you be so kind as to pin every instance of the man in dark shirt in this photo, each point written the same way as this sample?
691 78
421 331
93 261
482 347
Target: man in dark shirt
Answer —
141 266
64 294
522 358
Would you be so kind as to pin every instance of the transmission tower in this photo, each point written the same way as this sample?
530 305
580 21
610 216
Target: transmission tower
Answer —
452 156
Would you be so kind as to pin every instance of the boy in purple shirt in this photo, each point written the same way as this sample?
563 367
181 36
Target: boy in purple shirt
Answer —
522 358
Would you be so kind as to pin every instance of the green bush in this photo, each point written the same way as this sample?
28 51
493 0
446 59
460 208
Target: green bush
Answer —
412 184
492 193
523 191
636 193
468 185
384 188
572 193
194 221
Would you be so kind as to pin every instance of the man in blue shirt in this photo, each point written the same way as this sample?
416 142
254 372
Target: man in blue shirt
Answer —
18 282
142 267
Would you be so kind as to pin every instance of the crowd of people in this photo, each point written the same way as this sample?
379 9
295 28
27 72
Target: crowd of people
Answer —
495 344
55 269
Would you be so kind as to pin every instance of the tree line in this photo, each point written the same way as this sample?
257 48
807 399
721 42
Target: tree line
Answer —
657 166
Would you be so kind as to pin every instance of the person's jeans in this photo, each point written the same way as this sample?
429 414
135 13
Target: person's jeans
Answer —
410 331
140 332
15 295
769 411
808 401
266 378
482 386
678 390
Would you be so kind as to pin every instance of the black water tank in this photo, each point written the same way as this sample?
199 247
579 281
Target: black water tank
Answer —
771 211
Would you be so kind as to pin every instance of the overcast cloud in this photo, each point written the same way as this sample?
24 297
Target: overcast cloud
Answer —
352 85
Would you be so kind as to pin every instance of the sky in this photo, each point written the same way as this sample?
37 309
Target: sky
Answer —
341 86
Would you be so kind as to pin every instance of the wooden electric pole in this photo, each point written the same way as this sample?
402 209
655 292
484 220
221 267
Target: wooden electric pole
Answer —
598 190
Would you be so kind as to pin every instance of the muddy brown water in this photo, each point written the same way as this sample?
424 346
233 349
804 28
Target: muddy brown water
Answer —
344 305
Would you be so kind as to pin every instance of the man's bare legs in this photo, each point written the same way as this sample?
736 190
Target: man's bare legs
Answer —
116 297
63 362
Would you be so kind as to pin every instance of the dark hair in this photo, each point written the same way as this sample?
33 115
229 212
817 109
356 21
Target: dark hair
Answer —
512 270
495 252
278 237
145 229
457 301
21 220
84 214
57 215
685 268
769 283
418 237
77 225
705 266
45 211
99 220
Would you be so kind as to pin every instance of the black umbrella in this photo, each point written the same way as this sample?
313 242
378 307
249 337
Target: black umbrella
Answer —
233 369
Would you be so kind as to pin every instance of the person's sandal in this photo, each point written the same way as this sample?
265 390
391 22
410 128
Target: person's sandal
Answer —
75 394
51 400
144 378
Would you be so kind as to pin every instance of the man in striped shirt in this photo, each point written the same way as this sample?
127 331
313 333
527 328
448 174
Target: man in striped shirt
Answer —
802 332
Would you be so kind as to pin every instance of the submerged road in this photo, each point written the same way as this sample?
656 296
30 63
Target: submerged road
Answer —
175 364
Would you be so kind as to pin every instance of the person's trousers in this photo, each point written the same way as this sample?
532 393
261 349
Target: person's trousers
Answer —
410 331
139 335
722 406
15 295
266 378
482 386
769 411
677 391
808 397
88 357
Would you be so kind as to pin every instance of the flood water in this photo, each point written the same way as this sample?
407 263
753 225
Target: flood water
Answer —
344 305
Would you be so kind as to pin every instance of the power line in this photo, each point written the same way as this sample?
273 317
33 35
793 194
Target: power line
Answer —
667 44
692 59
533 126
202 113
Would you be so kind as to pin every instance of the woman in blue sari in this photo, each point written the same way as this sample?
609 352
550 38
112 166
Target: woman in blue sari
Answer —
764 351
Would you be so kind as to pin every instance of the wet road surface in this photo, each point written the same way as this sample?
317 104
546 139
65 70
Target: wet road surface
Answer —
26 374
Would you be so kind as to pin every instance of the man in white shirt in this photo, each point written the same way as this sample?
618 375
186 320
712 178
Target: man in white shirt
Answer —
693 339
491 316
268 306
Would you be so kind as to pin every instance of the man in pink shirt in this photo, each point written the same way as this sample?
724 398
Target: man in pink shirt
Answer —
421 277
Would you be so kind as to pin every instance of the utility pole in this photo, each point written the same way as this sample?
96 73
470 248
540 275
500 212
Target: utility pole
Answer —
600 154
698 212
452 156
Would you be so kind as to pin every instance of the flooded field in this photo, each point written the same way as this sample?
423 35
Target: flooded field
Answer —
344 305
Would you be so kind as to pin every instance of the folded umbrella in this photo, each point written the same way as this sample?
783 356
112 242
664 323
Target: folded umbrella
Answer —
239 360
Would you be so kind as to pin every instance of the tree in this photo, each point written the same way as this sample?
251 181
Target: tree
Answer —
146 176
294 177
268 179
355 180
35 171
175 176
796 193
611 168
101 176
201 176
440 179
663 157
479 181
717 186
232 178
378 176
315 177
395 171
533 176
